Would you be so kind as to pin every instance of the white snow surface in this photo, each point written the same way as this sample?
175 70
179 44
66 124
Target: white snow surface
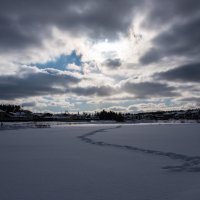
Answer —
101 162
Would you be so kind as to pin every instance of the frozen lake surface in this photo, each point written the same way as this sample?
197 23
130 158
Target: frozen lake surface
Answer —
101 162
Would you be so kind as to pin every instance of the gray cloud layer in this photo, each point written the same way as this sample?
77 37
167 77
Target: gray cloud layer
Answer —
165 12
149 89
26 22
113 63
90 91
190 73
50 81
181 38
34 84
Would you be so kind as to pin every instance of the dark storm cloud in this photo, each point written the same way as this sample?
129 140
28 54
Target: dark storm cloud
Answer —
26 22
149 89
34 84
113 63
189 73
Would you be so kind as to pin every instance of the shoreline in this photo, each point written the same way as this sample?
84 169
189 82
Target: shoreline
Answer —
54 124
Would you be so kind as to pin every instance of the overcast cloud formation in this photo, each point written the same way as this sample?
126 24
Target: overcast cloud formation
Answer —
118 53
26 22
186 73
35 83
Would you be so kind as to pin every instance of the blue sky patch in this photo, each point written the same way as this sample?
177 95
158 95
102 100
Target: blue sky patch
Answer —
61 62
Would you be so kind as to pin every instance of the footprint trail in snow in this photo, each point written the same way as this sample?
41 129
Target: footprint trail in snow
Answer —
190 163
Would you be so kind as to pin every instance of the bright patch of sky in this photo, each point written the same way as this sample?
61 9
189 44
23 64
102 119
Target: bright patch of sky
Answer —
62 62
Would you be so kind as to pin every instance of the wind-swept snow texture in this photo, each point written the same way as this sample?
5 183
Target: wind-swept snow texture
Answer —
103 162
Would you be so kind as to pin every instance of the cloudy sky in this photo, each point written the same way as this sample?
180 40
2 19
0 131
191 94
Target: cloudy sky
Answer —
86 55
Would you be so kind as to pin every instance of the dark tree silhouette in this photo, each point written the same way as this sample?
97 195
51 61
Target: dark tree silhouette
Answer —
110 115
10 108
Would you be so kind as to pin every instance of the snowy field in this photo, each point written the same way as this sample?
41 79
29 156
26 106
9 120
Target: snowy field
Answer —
101 162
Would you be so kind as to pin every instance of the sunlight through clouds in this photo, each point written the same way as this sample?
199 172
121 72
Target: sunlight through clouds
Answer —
94 48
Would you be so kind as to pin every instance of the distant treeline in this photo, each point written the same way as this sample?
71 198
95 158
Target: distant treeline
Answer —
110 115
10 108
11 111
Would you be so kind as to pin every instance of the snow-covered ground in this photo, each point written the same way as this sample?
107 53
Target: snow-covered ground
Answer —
101 162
